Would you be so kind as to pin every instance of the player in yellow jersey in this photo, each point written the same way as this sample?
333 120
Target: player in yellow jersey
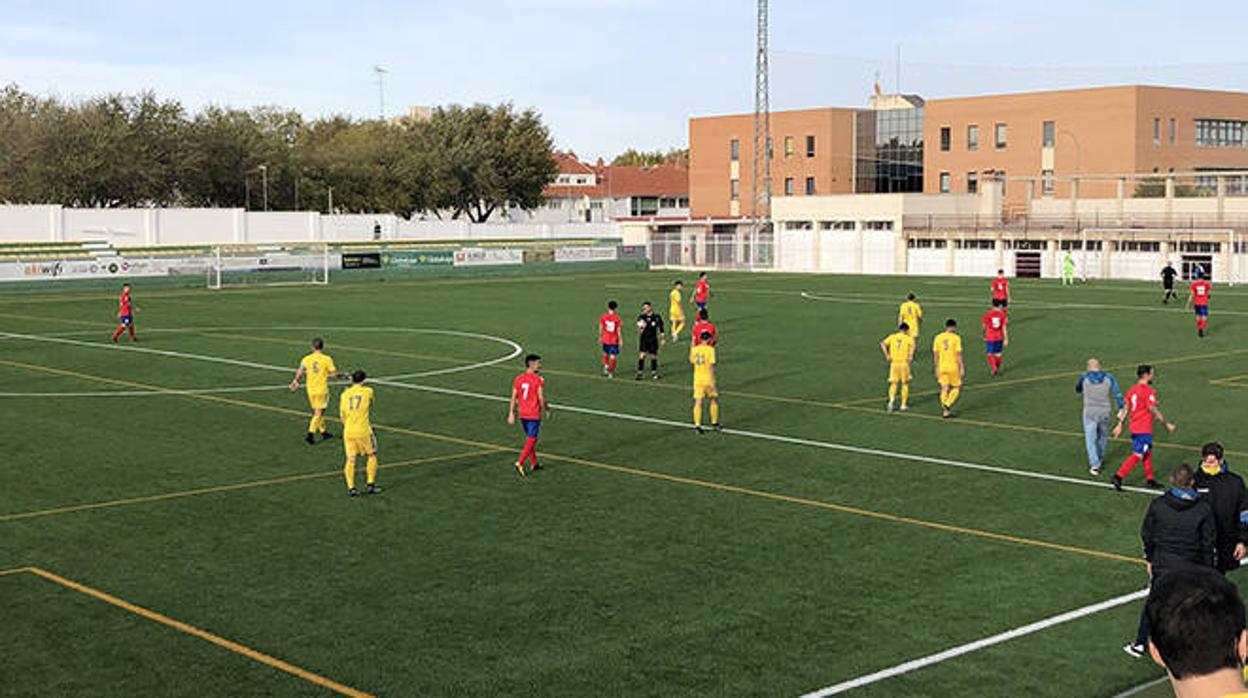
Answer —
702 356
675 311
911 313
898 349
319 368
357 432
947 353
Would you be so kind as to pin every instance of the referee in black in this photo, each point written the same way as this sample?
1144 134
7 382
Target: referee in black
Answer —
1167 282
650 327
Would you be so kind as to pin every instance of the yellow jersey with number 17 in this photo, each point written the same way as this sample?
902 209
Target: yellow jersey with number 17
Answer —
947 346
318 367
353 407
900 346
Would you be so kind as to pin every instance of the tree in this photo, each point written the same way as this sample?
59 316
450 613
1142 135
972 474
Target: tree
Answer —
635 158
481 158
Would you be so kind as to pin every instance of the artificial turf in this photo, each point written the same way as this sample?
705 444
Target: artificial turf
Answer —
645 559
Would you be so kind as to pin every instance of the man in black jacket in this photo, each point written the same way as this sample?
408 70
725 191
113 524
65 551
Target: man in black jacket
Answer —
1228 498
1178 530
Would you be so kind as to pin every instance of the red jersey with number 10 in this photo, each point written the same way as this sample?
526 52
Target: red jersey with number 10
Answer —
1000 289
528 386
609 328
123 301
1140 401
1200 292
994 325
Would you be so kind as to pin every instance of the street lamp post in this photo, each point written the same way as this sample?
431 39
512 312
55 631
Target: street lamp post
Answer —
264 184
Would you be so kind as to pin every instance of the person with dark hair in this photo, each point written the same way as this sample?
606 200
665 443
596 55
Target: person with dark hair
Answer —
911 313
125 314
702 291
1177 530
650 330
950 370
1000 287
898 349
1228 498
1198 299
1141 404
702 356
1167 282
1197 620
676 311
357 432
609 333
528 392
319 368
704 324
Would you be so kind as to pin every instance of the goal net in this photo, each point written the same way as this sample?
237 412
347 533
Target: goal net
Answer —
268 265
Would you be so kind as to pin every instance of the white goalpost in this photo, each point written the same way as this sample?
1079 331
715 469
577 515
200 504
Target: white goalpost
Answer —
279 264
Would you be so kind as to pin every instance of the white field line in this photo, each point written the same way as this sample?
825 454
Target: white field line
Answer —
516 349
977 645
1143 687
779 438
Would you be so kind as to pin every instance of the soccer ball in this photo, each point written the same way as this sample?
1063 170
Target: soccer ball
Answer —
641 324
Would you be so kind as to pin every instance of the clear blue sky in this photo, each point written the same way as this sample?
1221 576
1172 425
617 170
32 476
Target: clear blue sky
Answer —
606 74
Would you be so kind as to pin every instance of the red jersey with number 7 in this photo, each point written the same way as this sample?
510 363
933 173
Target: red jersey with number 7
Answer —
1200 292
528 387
1140 401
609 328
1000 289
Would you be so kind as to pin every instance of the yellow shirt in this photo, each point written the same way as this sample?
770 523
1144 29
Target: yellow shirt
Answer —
911 313
947 346
673 299
318 367
703 358
900 345
353 407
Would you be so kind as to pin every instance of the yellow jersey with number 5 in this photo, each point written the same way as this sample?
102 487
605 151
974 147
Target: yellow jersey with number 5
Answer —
318 367
947 346
353 407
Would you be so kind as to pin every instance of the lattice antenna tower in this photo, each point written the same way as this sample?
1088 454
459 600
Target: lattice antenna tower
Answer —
761 182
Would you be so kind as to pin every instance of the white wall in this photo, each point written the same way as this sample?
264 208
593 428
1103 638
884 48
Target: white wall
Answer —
1134 265
975 262
30 223
283 226
927 261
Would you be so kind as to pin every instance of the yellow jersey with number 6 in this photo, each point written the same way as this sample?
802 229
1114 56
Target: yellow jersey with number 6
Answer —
911 314
353 407
318 367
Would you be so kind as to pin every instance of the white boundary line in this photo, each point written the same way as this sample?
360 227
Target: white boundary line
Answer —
975 646
516 349
394 381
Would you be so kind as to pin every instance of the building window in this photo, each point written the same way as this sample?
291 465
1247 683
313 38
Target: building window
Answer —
735 188
554 204
1000 135
798 225
788 186
972 137
972 182
810 186
788 146
810 146
926 244
1221 133
1156 131
946 139
838 225
1046 182
944 182
1050 134
1173 128
975 244
645 205
736 149
877 225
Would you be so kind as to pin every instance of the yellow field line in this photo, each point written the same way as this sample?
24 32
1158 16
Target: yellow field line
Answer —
15 570
654 475
217 640
229 488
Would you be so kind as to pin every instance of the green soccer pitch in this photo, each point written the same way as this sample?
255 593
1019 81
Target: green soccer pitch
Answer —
164 529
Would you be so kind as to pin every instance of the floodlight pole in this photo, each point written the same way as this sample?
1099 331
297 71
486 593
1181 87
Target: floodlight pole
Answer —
381 71
760 208
264 184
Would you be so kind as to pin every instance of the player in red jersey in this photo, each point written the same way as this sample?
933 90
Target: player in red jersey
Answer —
528 392
704 324
701 292
125 314
609 333
1001 291
1198 297
996 337
1141 404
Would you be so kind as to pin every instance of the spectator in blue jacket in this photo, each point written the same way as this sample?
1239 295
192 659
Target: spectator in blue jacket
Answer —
1102 398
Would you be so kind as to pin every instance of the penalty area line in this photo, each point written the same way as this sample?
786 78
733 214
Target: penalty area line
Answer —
975 646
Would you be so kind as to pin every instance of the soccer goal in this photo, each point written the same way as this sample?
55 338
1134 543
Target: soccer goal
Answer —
268 265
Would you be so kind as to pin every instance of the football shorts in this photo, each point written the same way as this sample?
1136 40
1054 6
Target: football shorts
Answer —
949 378
318 401
899 373
359 445
704 389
